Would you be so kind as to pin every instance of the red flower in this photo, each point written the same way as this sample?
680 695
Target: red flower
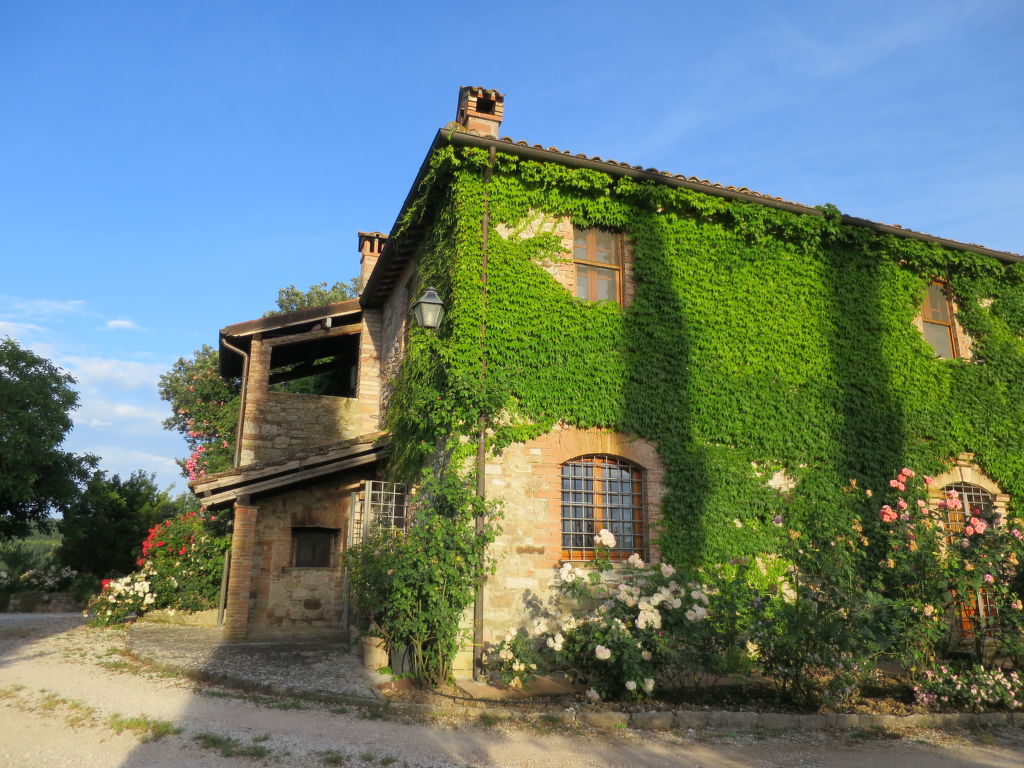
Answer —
160 543
104 584
181 551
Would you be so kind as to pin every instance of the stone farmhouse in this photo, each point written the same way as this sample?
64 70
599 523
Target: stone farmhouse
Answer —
675 360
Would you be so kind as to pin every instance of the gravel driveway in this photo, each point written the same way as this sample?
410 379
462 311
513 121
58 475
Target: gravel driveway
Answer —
66 691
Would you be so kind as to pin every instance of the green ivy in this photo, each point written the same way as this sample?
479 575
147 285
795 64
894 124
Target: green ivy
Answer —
758 339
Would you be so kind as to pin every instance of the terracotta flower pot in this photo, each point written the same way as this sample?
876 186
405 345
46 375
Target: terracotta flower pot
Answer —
375 655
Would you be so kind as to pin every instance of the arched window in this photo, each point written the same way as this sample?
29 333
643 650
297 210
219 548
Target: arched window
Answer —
979 503
598 492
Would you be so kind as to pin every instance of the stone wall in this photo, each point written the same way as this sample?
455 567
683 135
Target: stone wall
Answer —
527 478
396 314
286 600
283 424
43 602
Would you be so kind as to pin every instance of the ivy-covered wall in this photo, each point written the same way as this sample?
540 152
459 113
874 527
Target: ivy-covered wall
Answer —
758 340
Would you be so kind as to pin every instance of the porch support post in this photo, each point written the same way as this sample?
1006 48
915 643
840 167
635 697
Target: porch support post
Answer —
243 537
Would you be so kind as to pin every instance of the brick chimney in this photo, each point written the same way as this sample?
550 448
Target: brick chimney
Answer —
370 246
480 110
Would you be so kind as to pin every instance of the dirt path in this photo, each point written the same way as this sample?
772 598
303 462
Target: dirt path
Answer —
60 687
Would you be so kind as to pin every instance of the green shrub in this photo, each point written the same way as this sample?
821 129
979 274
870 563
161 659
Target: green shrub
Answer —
413 586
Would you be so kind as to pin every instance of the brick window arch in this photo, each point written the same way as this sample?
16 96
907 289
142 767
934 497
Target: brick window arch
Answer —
602 491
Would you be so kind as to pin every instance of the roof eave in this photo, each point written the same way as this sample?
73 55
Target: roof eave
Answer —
373 295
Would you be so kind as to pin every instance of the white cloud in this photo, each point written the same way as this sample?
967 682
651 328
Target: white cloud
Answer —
122 325
18 330
42 307
93 371
102 413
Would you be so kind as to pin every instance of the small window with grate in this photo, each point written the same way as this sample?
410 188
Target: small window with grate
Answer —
602 492
313 547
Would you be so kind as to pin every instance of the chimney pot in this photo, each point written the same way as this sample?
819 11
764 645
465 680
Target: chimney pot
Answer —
371 244
480 110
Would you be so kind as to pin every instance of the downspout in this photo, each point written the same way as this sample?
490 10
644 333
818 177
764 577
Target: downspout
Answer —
481 444
241 404
222 603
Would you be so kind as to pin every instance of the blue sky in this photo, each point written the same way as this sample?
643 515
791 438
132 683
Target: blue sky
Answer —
166 167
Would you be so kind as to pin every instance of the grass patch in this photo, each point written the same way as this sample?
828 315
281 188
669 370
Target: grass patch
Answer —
229 747
338 710
375 711
332 757
143 726
11 691
261 700
79 713
121 665
487 720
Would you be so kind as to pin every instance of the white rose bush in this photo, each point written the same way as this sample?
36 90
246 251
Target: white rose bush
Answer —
636 626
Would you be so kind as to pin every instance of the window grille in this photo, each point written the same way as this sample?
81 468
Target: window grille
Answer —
602 492
377 505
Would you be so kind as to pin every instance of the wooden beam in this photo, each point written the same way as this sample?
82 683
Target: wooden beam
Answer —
314 335
289 479
242 476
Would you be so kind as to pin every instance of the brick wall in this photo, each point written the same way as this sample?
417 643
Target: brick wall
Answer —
527 478
286 600
396 315
280 424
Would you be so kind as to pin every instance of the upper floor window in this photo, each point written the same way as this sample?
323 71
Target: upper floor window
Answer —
602 492
939 322
597 256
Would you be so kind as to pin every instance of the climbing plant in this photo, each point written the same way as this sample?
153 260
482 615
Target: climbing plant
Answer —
758 340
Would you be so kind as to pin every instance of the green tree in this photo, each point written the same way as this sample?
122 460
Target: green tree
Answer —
104 528
37 478
291 298
205 407
204 411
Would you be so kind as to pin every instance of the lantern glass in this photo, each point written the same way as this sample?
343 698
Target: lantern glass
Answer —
429 310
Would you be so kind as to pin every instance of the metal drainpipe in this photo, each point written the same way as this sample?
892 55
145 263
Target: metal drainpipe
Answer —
222 603
241 404
481 446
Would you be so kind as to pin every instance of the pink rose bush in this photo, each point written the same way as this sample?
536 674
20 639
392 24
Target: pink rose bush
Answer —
941 575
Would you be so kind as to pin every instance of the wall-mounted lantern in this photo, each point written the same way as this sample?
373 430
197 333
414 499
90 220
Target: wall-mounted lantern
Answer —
429 310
